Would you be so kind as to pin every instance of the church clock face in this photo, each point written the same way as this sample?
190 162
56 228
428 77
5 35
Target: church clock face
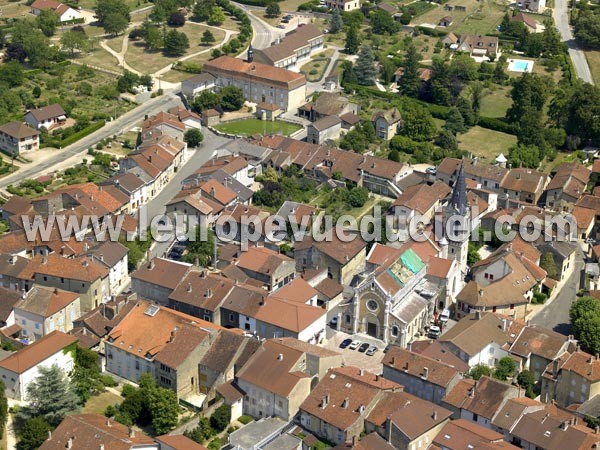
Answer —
372 305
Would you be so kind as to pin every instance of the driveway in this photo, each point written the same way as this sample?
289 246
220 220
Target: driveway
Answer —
561 19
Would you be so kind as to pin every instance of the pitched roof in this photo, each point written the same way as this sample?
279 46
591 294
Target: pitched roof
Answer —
162 272
149 329
471 335
179 442
202 289
254 71
230 392
292 42
325 123
47 112
583 364
437 351
527 20
473 169
391 116
335 248
414 364
512 411
45 301
218 191
524 180
94 431
422 197
126 181
9 298
18 130
484 397
227 348
262 260
439 267
287 314
81 268
35 353
412 415
371 441
537 340
298 291
462 434
273 368
338 397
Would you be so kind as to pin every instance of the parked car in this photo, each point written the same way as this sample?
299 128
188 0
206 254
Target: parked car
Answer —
372 350
345 343
431 170
590 241
284 20
434 332
288 16
354 345
282 26
364 347
445 316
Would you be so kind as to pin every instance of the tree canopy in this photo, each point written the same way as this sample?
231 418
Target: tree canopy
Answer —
585 323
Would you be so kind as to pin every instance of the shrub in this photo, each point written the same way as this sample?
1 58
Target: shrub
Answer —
221 417
496 124
245 419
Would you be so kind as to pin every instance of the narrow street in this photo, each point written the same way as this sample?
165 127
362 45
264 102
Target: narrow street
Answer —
555 315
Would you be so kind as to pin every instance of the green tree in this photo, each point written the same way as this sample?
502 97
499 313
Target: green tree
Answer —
548 264
585 322
3 408
47 21
176 43
50 395
127 81
176 19
358 196
587 29
206 100
480 370
581 112
352 41
217 17
524 155
366 71
472 254
418 123
466 111
193 137
11 73
231 98
221 417
500 74
86 374
202 432
33 434
164 409
335 22
207 38
201 251
394 155
447 141
529 93
382 22
153 37
505 368
463 68
410 82
74 41
273 9
115 24
455 122
526 380
202 10
105 8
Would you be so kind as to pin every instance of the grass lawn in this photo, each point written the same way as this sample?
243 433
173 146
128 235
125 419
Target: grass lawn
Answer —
248 127
593 59
101 58
494 103
115 43
270 20
479 18
133 4
315 68
495 142
150 62
97 404
425 45
539 69
10 9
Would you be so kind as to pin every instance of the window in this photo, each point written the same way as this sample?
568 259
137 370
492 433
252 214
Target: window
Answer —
512 306
45 278
231 317
395 331
37 326
372 305
491 276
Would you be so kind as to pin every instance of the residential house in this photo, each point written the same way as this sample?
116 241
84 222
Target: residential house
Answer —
294 48
157 279
259 82
236 166
113 255
424 74
11 268
460 434
132 186
22 367
563 254
536 6
274 270
386 123
267 111
328 104
405 421
17 138
276 380
420 375
197 84
218 192
343 5
64 12
435 350
9 298
178 442
503 283
512 411
450 39
259 434
571 378
337 407
523 185
479 45
324 130
82 275
528 21
445 21
479 401
195 208
43 310
15 205
165 124
418 204
189 118
211 117
48 117
479 338
487 176
343 260
87 430
166 343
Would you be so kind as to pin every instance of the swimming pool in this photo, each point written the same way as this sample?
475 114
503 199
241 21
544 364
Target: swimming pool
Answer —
520 65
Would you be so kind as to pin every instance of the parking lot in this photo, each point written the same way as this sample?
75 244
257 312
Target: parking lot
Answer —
354 357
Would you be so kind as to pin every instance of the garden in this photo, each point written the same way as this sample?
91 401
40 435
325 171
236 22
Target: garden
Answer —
252 126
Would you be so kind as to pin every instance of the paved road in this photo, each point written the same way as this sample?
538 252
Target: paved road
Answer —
561 19
264 33
556 314
78 149
157 205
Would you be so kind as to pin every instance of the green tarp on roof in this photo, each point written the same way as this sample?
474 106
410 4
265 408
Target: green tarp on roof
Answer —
411 260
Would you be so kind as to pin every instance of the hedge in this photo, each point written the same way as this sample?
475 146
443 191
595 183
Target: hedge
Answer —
431 31
72 21
496 124
82 133
262 3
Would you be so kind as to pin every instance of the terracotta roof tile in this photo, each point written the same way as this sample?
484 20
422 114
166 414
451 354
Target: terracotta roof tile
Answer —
35 353
413 364
254 71
162 272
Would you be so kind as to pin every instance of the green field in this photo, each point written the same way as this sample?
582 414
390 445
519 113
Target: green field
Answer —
593 59
494 103
248 127
495 143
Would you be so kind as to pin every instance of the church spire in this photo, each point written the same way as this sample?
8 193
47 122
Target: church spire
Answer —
459 201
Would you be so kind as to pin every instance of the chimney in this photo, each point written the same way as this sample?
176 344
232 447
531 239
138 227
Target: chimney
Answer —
101 257
481 292
70 443
85 263
189 287
280 357
172 336
108 418
131 432
555 367
151 265
101 446
472 392
325 401
361 372
44 260
504 325
564 425
434 415
49 435
425 372
353 441
209 293
345 403
376 376
62 250
55 291
12 260
477 315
